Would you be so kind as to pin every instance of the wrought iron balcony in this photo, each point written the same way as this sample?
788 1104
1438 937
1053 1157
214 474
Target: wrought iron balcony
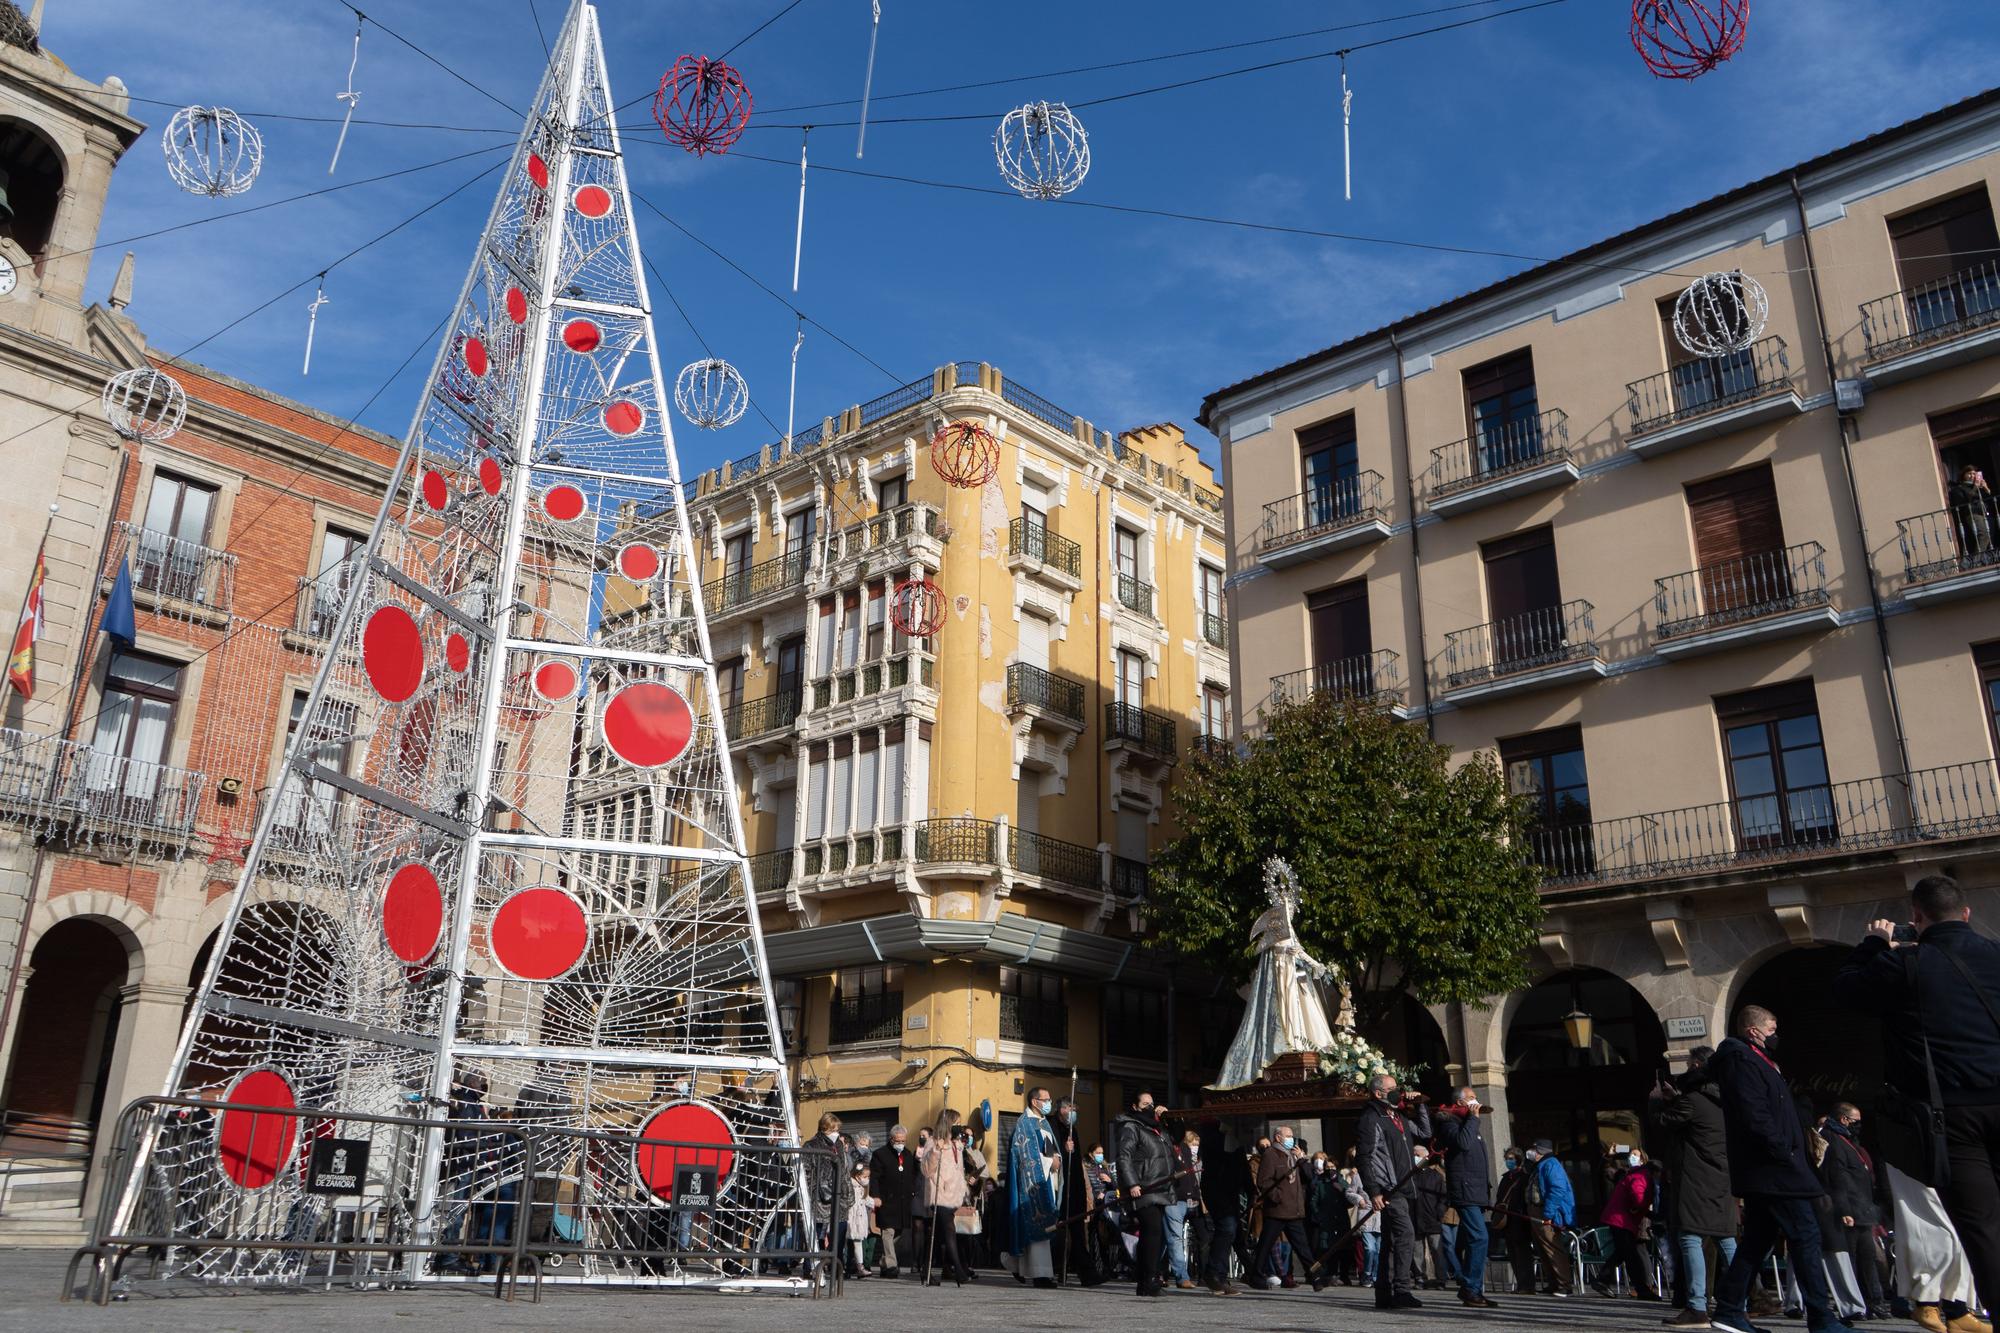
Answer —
858 682
1030 687
1134 595
748 719
1520 644
1322 511
771 871
309 823
52 784
884 530
1952 552
176 570
1710 385
1034 1022
1509 452
317 612
1033 542
1129 879
1920 317
1140 728
1376 676
1065 863
958 842
768 578
1215 629
858 1018
1732 592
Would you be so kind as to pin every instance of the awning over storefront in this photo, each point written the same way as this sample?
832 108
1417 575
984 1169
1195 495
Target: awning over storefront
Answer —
1015 940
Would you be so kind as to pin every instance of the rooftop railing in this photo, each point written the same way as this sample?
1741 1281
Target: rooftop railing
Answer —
1711 384
1500 451
1932 313
1319 510
1750 587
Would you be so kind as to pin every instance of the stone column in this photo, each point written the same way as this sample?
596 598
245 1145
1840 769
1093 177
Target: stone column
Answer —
149 1029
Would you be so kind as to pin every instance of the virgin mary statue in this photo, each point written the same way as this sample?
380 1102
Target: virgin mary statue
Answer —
1286 1010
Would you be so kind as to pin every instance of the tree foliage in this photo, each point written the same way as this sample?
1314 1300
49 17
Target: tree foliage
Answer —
1415 876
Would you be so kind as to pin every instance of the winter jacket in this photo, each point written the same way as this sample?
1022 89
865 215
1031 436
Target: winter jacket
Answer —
1849 1177
1428 1213
1326 1199
1187 1175
1468 1172
1278 1184
944 1176
893 1178
831 1184
1145 1159
1383 1147
1221 1175
1558 1199
1767 1145
1629 1202
1699 1199
1965 1043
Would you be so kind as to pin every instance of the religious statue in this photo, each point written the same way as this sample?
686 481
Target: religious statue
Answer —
1286 1010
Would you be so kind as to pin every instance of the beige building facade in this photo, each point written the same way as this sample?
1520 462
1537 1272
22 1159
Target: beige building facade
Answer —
1730 622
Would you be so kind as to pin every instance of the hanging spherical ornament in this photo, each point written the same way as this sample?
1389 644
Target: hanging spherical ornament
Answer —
144 404
965 453
702 105
1685 39
1042 150
211 150
711 393
918 608
1720 313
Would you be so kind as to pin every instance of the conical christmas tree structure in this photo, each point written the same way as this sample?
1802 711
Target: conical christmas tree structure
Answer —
522 894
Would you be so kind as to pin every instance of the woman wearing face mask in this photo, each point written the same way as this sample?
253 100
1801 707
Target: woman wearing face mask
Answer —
1628 1212
1326 1205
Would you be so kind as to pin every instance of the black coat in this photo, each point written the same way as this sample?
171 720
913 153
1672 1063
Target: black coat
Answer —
1326 1201
1767 1145
896 1179
1383 1151
1849 1180
1145 1157
1467 1169
1428 1212
1224 1176
1965 1044
1698 1196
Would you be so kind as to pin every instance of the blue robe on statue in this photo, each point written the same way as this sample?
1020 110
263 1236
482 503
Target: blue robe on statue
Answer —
1032 1189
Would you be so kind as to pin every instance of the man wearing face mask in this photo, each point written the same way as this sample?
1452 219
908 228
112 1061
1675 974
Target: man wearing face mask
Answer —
1385 1152
1146 1174
1772 1172
1078 1255
1283 1194
893 1178
1468 1188
1034 1191
1848 1172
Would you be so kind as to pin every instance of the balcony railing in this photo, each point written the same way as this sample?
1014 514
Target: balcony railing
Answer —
855 1018
1917 317
1711 384
1029 686
767 578
1134 595
1958 801
1528 642
1215 629
1504 449
51 783
310 821
958 841
884 530
1129 879
1033 541
1048 858
179 570
317 612
1314 512
858 682
758 717
1951 541
1142 727
1750 587
1372 676
1034 1022
771 871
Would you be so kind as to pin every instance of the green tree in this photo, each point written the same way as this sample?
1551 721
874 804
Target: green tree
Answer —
1414 875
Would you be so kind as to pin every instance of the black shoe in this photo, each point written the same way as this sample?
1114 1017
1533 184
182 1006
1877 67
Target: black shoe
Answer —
1403 1300
1046 1283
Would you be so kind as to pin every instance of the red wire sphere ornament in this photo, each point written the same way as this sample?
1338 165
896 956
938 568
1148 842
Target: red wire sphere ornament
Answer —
917 608
702 105
1685 39
965 453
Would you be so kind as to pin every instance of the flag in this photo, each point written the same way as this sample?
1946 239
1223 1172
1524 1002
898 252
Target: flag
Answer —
21 662
118 620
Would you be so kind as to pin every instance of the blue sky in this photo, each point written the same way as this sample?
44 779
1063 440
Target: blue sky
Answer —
1532 134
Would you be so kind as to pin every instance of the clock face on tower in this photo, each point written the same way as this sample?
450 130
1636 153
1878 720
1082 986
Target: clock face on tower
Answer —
8 277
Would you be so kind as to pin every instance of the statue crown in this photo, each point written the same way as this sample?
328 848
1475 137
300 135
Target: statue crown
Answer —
1281 883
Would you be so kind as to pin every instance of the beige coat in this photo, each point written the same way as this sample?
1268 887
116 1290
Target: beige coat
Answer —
944 1176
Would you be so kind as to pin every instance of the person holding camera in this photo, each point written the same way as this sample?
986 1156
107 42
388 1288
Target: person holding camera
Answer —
1385 1151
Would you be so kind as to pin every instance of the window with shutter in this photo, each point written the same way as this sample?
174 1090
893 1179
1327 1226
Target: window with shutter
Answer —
1946 255
1503 414
1523 597
1341 639
1739 540
1329 463
1986 658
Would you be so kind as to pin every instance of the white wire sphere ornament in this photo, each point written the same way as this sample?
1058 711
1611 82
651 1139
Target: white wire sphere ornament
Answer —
144 404
212 151
711 393
1042 150
1720 313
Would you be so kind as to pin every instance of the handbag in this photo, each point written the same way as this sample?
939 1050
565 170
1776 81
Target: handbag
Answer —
965 1220
1911 1134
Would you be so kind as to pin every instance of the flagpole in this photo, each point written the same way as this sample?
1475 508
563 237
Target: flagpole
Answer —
41 551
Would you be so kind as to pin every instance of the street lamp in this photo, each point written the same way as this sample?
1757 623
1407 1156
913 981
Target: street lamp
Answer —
1577 1024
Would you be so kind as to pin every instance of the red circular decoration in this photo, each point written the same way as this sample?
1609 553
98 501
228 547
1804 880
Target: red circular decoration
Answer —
413 913
684 1125
648 724
489 476
457 652
563 503
702 105
965 453
254 1148
538 171
539 933
917 608
624 417
580 335
517 305
437 494
556 680
392 653
638 561
1685 39
475 357
593 201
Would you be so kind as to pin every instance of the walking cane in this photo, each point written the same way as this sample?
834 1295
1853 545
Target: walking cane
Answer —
1355 1230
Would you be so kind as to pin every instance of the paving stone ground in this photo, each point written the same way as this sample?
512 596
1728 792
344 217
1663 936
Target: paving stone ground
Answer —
30 1282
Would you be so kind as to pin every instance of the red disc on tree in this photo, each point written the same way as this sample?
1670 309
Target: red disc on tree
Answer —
475 357
702 105
555 680
539 933
436 491
581 335
965 453
413 913
918 608
517 305
489 475
254 1148
392 653
691 1135
538 171
638 561
624 417
593 201
1685 39
648 724
563 503
457 652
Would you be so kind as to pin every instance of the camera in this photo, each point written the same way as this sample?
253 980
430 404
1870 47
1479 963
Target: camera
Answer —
1904 934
